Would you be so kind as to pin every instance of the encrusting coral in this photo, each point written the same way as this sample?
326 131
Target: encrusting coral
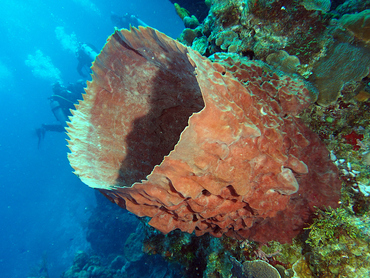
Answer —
344 62
358 24
198 145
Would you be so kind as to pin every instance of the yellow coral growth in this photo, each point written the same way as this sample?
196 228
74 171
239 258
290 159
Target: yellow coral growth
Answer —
301 269
181 12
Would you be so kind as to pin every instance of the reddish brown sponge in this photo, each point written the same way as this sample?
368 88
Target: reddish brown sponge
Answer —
198 145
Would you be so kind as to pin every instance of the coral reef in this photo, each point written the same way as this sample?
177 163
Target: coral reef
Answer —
108 227
328 47
339 246
283 61
352 6
343 63
346 60
344 127
316 5
358 24
192 252
244 165
265 27
198 9
312 37
181 12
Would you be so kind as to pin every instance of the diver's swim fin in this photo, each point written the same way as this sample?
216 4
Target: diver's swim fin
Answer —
40 132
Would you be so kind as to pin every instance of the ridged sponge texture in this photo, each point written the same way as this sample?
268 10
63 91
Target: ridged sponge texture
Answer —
198 145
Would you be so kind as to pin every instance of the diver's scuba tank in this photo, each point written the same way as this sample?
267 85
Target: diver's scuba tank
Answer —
89 51
58 112
140 22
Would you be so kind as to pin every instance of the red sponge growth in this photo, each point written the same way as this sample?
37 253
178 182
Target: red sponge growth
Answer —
210 147
352 139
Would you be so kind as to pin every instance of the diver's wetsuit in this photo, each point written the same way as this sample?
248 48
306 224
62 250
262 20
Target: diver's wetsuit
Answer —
126 20
64 99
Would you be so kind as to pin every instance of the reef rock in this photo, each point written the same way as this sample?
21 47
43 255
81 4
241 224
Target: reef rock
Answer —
198 145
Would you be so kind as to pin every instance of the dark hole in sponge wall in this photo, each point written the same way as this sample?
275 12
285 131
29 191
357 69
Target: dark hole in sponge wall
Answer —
174 97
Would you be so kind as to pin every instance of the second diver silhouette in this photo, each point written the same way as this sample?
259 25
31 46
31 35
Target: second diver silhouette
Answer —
85 54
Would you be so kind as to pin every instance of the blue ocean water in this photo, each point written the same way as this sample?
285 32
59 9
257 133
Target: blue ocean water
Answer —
44 207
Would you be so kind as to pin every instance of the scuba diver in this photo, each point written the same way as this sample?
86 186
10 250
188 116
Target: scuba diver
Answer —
65 98
62 101
85 54
126 20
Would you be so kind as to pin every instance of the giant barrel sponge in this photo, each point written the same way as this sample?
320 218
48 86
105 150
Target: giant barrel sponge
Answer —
197 145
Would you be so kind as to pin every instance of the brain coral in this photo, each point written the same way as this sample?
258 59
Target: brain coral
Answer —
198 145
253 269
